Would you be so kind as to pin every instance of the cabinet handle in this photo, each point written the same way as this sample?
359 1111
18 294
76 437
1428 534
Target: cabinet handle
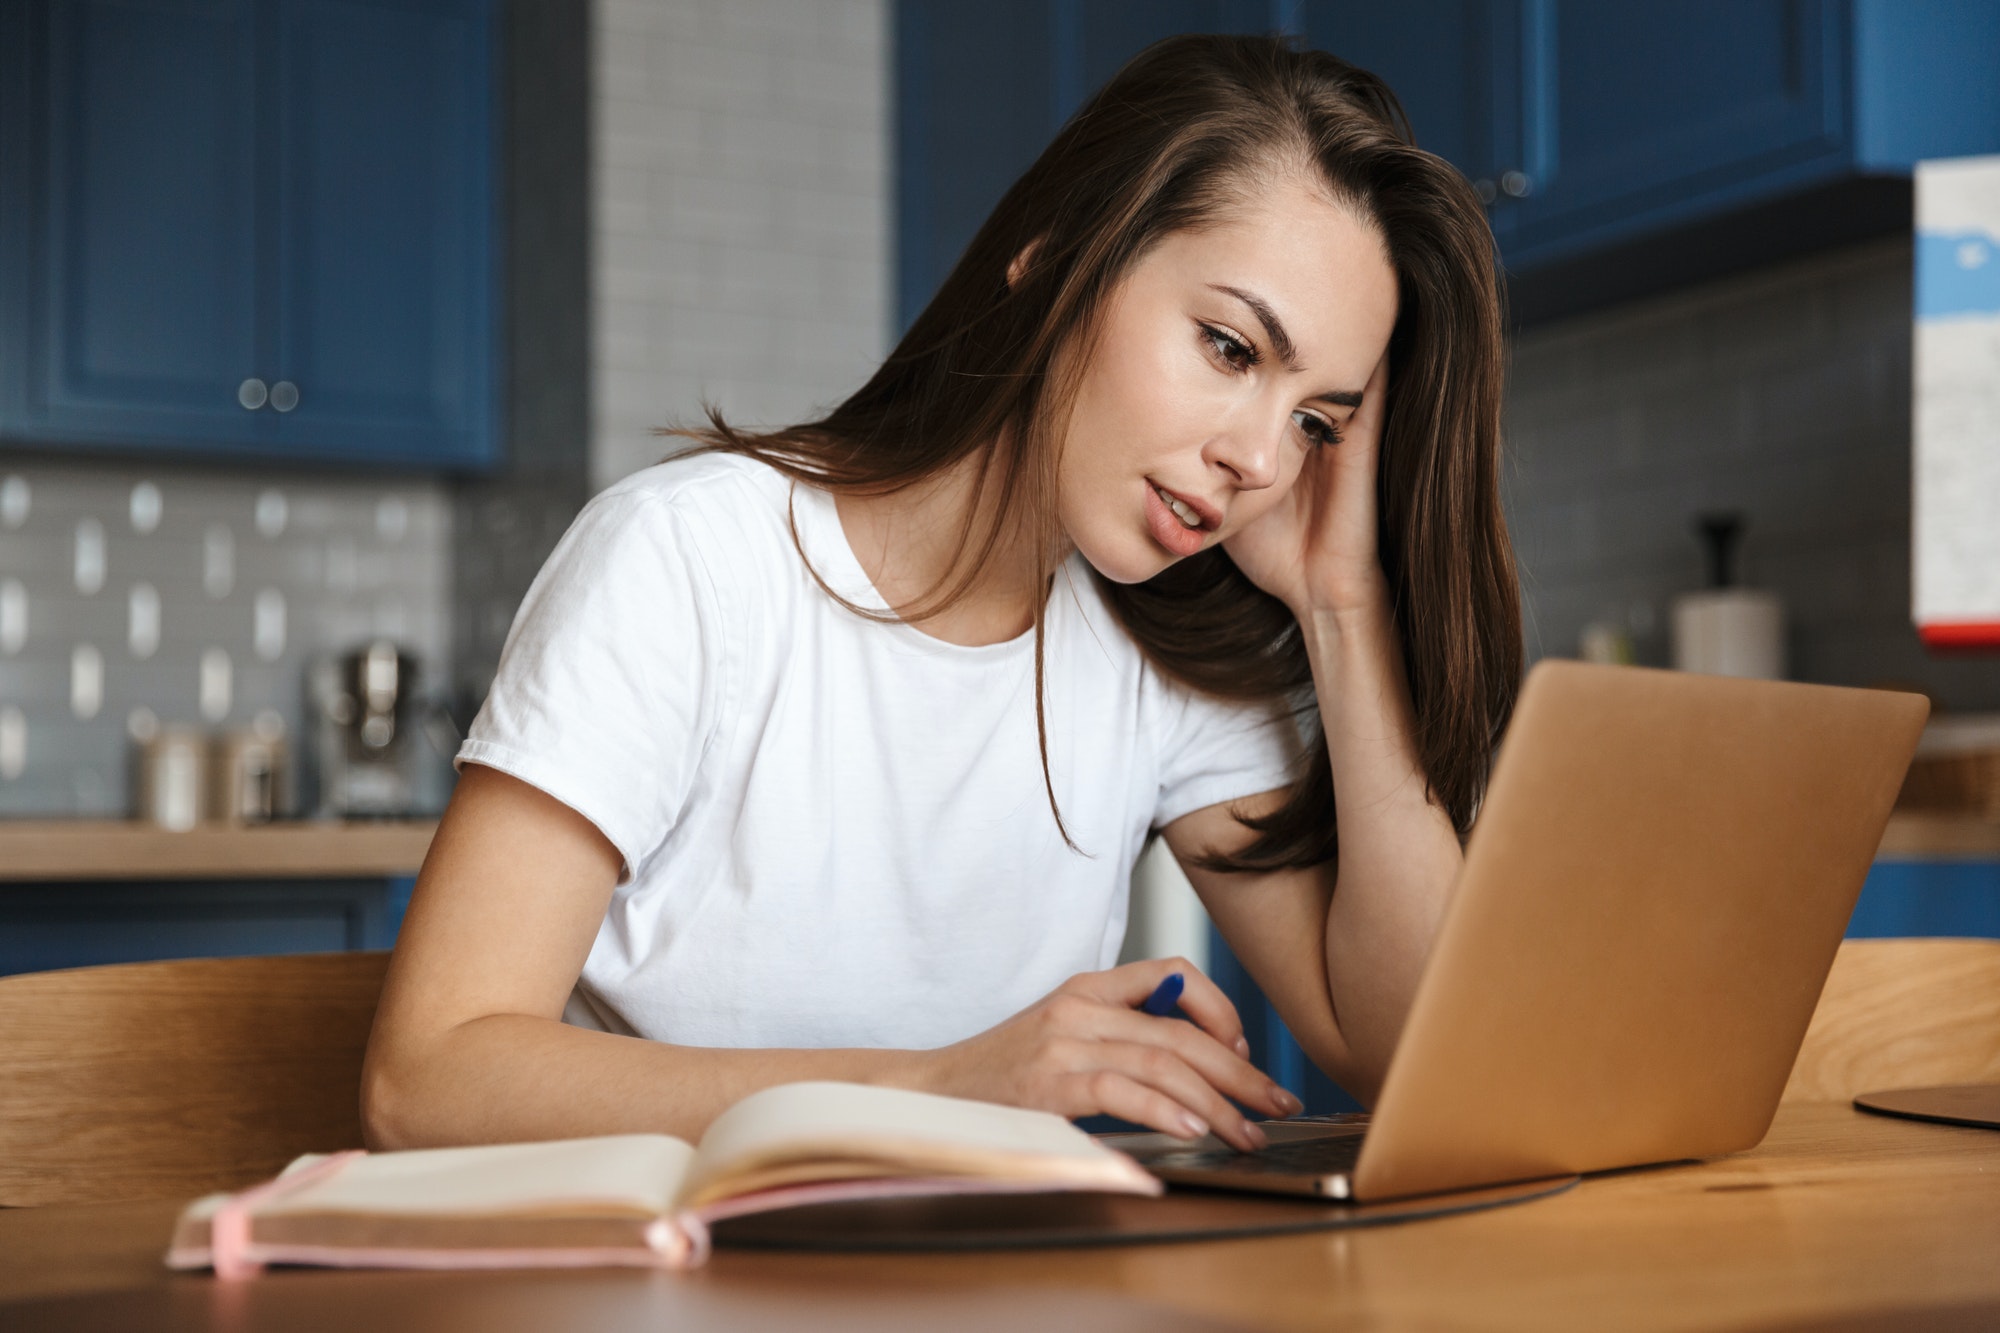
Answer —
252 394
1517 184
1485 190
284 396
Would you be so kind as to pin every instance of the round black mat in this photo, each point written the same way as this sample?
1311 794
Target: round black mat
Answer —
1026 1221
1975 1104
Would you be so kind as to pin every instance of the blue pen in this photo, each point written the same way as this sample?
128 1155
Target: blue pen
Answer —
1166 996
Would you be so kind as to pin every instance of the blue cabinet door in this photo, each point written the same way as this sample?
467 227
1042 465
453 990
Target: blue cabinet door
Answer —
975 102
384 213
982 88
1435 54
1094 38
44 926
142 317
300 193
17 72
1632 116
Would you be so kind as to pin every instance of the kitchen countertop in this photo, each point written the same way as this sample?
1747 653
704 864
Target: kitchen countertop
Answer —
98 849
1915 836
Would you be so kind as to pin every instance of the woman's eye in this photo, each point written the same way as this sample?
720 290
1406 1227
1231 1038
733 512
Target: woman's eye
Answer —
1238 354
1317 428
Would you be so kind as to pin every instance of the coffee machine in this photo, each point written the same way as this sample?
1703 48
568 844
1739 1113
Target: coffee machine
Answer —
370 750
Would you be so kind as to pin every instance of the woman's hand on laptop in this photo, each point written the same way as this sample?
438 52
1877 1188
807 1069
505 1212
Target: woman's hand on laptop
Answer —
1086 1049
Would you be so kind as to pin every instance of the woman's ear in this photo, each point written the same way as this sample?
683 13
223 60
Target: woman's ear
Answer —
1018 268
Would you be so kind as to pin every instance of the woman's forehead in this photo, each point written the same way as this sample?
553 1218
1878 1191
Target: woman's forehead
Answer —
1315 261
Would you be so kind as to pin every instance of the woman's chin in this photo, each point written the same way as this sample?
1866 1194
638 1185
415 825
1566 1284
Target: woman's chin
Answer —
1126 561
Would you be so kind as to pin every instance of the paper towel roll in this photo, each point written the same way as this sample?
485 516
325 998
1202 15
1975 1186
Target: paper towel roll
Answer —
1730 632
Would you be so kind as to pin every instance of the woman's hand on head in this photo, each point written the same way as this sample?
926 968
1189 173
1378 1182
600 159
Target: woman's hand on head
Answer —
1087 1049
1316 549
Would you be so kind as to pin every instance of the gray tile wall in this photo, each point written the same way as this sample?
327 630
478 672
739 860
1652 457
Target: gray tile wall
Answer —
741 213
252 573
699 209
1785 395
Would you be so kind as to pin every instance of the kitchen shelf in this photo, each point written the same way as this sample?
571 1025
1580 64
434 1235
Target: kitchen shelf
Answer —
43 850
1917 836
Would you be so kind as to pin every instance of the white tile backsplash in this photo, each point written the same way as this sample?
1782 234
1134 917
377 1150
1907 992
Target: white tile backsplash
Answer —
191 595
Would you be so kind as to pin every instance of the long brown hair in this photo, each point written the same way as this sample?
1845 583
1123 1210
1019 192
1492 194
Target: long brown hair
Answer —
993 361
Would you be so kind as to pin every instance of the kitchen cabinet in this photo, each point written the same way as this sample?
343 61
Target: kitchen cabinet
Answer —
1627 148
1621 148
981 89
251 228
52 925
76 893
1579 122
131 189
1095 37
1918 896
1633 115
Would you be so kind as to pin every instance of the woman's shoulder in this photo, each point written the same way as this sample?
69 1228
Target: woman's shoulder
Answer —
724 509
715 524
730 486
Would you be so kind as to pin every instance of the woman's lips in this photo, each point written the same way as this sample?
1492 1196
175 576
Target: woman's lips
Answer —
1179 539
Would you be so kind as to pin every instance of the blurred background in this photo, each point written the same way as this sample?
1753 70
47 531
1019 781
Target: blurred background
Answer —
320 319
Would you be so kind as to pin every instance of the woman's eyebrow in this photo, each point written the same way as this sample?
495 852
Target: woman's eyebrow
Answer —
1274 328
1281 341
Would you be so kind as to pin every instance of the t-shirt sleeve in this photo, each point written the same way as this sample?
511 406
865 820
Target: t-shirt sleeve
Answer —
1217 750
604 697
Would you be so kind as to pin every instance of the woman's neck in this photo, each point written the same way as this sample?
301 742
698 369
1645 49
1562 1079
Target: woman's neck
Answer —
906 542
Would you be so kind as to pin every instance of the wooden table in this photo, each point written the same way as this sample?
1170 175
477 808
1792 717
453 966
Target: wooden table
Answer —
1839 1220
91 849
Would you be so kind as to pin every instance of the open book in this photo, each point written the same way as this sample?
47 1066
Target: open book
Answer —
640 1199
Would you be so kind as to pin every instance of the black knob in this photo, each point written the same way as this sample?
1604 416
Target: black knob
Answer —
1720 532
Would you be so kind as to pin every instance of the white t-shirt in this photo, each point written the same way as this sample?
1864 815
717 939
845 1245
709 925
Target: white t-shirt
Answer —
834 830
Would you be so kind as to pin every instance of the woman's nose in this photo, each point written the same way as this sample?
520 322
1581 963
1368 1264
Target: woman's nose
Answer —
1248 454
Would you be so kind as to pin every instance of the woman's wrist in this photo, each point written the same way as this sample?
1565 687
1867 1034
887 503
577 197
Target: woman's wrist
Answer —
1347 602
915 1071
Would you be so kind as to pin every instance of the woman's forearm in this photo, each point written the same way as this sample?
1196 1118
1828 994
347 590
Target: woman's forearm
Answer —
514 1077
1083 1049
1399 853
468 1045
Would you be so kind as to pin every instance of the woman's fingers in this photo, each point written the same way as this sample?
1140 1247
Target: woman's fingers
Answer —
1222 1069
1167 1074
1214 1043
1201 999
1112 1093
1164 1069
1197 1067
1211 1010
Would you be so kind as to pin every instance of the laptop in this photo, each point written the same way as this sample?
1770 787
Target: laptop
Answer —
1652 895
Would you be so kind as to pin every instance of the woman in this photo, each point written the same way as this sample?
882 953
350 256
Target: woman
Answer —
826 753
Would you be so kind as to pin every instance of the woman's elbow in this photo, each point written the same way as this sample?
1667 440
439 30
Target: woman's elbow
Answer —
390 1099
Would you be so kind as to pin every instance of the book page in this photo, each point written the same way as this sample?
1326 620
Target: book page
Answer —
818 1131
633 1175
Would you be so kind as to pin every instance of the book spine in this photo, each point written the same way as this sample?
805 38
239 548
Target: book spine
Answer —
230 1249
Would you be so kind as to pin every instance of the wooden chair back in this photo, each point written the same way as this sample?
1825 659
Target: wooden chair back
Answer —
1902 1014
156 1080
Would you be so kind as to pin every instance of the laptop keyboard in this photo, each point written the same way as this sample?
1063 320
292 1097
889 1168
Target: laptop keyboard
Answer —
1317 1157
